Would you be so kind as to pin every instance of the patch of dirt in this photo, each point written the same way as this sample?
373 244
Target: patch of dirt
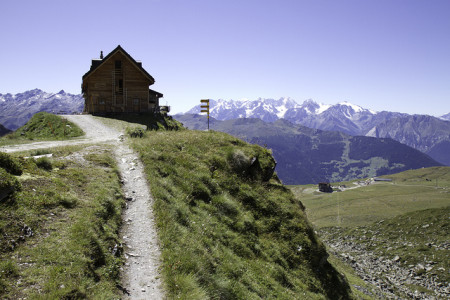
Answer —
141 276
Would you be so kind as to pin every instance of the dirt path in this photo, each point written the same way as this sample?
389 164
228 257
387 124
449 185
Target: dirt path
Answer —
95 131
140 275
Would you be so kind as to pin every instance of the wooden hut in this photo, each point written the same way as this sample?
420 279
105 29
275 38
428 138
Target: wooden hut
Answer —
117 83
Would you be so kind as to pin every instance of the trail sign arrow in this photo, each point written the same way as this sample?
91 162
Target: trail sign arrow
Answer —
205 108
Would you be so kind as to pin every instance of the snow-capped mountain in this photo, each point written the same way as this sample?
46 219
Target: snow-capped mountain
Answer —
344 116
419 132
16 110
445 117
268 110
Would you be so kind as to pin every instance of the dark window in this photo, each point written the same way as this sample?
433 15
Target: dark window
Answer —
118 64
120 83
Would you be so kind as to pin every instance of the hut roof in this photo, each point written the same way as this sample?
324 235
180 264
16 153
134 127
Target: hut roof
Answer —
98 62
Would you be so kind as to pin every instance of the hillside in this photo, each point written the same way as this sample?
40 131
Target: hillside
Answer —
16 110
306 155
58 226
3 130
409 191
441 152
393 234
45 126
421 132
228 229
417 131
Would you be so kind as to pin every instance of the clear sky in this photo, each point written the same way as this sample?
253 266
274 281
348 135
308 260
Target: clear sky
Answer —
380 54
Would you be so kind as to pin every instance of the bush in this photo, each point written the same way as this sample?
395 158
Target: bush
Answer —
44 163
8 184
10 164
136 132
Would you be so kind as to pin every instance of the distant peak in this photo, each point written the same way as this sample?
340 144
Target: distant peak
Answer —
61 92
309 101
355 107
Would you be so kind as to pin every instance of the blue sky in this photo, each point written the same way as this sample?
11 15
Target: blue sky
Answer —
383 55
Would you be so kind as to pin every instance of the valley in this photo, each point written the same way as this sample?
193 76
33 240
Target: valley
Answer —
305 155
393 234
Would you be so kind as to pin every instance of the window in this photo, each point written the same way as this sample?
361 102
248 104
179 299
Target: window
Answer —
136 101
101 100
118 64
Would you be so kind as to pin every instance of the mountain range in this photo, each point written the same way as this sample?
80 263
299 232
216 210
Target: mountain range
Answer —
421 132
428 134
16 110
306 155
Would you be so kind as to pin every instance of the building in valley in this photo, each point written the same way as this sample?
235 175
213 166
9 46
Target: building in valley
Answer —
117 83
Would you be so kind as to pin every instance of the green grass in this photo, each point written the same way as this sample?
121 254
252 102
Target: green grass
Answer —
417 238
43 126
148 121
58 232
408 218
409 191
229 229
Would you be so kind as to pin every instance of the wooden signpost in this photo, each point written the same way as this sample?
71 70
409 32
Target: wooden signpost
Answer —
205 108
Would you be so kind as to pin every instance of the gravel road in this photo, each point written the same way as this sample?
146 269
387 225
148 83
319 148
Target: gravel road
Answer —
95 131
140 275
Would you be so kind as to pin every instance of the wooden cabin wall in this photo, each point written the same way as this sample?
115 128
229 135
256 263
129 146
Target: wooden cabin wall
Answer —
100 88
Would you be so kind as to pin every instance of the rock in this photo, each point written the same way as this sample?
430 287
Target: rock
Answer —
396 258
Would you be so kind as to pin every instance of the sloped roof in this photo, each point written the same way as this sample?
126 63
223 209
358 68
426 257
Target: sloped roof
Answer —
96 63
158 94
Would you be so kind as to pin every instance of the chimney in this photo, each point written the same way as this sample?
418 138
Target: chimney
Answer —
101 54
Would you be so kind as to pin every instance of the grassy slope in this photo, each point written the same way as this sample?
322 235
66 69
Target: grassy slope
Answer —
418 237
43 126
227 232
408 218
409 191
74 222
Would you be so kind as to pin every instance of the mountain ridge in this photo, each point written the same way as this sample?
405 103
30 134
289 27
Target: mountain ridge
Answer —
306 155
421 132
17 109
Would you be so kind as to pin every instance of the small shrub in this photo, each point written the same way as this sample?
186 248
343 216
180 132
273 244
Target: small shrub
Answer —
226 205
8 184
107 209
10 164
136 132
200 192
68 201
8 269
44 163
40 152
